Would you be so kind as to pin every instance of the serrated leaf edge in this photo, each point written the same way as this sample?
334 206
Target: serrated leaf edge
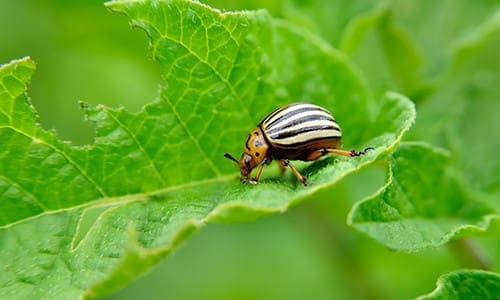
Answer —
463 229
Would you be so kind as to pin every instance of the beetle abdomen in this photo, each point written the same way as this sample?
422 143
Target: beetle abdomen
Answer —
299 128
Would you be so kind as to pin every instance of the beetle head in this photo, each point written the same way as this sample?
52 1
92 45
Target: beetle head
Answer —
246 164
254 153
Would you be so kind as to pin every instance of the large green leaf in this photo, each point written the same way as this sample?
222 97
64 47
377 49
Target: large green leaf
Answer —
467 284
424 203
87 220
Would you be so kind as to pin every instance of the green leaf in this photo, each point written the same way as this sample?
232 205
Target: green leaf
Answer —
466 284
386 53
326 18
461 114
84 221
358 27
397 46
458 114
424 203
421 20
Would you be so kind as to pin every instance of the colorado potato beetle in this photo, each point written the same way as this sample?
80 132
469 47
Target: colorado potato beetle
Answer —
298 131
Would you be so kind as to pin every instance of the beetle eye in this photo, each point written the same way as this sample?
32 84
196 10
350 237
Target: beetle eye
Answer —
247 160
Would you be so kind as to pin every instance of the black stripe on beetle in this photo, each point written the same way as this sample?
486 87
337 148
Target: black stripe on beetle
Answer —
295 122
298 131
287 114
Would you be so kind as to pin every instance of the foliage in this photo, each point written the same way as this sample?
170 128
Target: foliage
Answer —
469 284
84 221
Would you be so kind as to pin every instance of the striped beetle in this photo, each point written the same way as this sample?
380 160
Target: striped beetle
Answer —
298 131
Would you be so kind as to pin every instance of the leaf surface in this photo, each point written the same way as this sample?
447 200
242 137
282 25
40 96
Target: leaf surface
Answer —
87 220
408 216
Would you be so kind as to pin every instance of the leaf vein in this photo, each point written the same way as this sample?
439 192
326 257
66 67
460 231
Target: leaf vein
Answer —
141 148
63 154
214 168
205 62
74 245
34 199
118 200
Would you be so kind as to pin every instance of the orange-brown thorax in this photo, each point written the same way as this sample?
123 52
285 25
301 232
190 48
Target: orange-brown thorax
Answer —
255 151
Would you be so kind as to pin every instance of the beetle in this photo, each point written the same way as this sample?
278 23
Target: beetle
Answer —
297 131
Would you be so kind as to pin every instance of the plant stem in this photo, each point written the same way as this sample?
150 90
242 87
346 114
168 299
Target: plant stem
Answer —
469 254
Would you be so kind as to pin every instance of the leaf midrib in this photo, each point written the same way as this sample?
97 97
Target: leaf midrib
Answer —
125 199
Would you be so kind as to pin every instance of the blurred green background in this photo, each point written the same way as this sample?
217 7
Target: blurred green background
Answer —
83 52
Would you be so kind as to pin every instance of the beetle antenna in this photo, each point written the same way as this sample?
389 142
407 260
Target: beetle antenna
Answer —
229 156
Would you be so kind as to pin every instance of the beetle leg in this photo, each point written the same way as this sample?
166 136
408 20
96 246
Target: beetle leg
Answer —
323 151
316 154
282 167
286 163
259 171
363 152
